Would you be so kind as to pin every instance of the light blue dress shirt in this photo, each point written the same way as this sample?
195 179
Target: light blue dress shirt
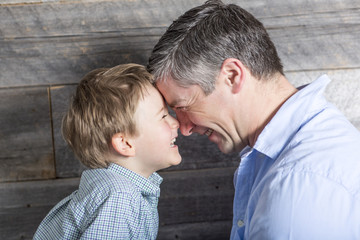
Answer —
301 180
111 203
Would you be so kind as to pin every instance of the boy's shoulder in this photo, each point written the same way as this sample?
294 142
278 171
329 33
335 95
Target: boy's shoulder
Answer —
115 182
107 182
97 186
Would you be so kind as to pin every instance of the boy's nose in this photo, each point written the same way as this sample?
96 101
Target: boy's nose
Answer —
174 122
186 126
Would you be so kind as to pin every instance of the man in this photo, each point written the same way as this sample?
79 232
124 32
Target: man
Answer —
299 176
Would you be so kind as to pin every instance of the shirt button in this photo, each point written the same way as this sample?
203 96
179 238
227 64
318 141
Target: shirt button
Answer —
240 223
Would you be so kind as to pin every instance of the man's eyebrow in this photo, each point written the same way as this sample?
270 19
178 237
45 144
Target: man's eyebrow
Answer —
171 105
175 103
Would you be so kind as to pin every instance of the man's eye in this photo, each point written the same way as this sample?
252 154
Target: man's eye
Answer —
181 108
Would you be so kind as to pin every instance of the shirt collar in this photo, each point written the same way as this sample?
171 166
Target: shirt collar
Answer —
148 186
289 118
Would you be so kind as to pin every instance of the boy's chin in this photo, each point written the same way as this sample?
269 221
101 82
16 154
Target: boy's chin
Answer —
177 162
174 163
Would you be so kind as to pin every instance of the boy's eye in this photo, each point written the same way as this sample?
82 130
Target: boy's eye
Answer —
164 116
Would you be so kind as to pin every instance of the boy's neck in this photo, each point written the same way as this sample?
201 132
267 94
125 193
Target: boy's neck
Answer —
131 164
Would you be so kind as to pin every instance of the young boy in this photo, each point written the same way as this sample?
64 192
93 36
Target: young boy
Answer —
119 126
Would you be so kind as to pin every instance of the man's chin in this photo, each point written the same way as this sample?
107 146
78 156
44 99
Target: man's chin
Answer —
226 149
229 148
222 145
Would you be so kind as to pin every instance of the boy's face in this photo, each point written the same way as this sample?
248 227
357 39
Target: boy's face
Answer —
155 148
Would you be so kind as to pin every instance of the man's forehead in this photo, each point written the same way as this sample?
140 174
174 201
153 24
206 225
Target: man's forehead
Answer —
173 94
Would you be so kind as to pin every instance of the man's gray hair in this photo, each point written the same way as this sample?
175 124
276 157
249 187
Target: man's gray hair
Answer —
194 47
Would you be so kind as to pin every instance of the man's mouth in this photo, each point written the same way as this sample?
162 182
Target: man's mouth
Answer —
209 132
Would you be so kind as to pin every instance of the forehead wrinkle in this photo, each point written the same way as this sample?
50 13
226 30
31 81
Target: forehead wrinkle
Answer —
174 98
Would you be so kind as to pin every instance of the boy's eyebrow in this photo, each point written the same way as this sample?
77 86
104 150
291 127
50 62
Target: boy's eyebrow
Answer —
161 110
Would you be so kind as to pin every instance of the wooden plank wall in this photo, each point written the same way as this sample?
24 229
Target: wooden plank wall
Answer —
46 46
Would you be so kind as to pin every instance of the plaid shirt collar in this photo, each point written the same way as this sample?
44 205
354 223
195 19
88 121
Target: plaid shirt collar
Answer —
148 186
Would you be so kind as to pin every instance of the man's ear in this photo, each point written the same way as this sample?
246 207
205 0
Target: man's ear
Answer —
233 73
123 145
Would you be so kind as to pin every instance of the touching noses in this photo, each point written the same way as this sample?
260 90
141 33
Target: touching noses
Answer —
174 123
186 126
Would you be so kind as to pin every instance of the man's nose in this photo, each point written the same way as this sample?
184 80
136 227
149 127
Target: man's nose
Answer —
186 125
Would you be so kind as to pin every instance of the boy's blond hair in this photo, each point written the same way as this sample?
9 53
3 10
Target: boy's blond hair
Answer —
103 105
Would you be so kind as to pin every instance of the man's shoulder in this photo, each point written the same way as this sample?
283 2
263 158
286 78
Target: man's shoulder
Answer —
319 158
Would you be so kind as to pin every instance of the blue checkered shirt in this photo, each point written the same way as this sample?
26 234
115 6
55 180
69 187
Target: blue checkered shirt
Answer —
111 203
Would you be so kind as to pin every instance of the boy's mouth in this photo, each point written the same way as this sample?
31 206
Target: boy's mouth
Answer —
209 132
172 144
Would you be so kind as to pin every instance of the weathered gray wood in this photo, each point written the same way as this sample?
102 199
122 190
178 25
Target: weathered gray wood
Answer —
62 60
199 153
196 196
10 2
67 165
343 91
42 40
25 135
324 45
57 19
23 205
216 230
20 223
29 194
186 197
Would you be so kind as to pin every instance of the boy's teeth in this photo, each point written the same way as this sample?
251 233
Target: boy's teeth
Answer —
172 142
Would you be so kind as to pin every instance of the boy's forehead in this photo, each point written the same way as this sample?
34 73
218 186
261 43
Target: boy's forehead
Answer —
153 97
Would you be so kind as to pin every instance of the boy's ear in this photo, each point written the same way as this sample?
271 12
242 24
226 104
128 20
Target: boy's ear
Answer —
123 145
233 73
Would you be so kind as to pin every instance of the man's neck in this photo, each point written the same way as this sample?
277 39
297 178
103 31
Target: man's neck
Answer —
270 96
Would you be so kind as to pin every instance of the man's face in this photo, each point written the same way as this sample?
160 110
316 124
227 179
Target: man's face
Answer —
210 115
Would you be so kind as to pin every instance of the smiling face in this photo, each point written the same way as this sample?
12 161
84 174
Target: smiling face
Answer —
210 115
155 148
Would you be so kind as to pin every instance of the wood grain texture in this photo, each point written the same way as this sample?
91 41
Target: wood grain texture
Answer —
65 59
199 153
181 201
27 203
25 136
45 44
67 165
343 90
215 230
36 193
20 223
196 196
